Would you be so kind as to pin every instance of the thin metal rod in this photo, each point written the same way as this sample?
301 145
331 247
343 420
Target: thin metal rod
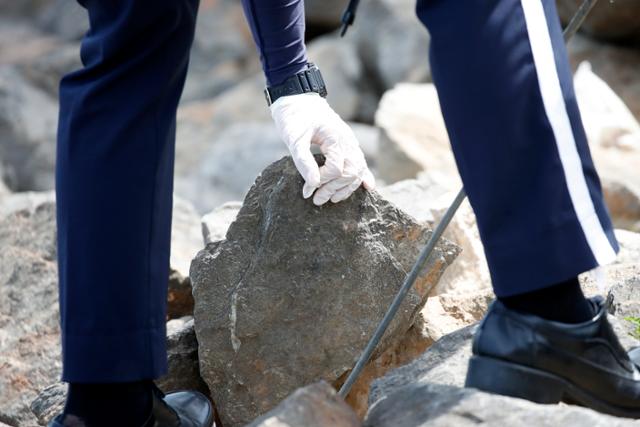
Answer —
568 33
578 19
406 286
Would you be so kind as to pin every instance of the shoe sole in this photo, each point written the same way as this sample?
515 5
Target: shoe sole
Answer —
510 379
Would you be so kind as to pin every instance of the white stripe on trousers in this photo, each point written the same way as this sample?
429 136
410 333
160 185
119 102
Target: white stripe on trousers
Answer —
556 110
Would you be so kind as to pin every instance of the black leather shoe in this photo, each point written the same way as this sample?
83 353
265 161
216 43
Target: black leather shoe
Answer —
521 355
178 409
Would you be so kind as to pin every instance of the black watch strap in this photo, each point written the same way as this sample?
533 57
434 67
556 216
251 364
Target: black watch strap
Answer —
309 80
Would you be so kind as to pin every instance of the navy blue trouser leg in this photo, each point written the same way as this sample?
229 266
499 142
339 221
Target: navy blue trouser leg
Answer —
114 187
506 91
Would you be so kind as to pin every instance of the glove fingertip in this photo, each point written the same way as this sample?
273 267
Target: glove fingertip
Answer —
307 190
369 181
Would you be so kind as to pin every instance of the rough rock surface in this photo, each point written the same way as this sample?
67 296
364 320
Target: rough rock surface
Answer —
609 20
625 296
436 405
49 403
29 330
316 405
287 273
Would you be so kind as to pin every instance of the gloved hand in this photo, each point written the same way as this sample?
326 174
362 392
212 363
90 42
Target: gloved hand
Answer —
307 119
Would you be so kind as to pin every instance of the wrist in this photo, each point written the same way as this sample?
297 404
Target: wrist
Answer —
307 81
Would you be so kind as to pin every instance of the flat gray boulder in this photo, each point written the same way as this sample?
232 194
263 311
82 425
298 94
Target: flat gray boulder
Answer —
429 392
436 405
295 291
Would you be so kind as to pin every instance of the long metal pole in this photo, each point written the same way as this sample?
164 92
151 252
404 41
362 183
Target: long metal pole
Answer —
409 281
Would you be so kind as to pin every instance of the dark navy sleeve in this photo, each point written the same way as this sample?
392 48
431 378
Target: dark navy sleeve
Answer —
278 30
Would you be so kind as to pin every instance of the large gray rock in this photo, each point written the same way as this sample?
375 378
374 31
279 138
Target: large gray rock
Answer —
609 20
28 120
436 405
392 42
316 405
616 64
287 273
29 330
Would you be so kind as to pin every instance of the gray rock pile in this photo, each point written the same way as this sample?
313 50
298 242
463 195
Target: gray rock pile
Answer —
29 332
287 294
294 291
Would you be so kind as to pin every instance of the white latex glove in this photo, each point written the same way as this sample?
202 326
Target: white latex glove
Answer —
307 119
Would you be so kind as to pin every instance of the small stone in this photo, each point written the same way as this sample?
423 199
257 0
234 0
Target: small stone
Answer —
316 405
182 357
216 223
49 403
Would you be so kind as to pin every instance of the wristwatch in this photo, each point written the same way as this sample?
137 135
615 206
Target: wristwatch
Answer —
309 80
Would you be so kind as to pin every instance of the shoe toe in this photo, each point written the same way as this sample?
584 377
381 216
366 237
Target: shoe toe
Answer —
194 409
